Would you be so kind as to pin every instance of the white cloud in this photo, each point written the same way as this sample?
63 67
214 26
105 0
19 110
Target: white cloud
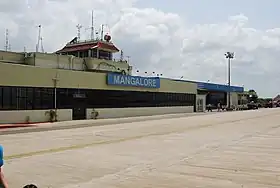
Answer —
155 40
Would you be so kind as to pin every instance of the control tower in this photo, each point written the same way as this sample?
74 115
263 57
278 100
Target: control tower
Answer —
97 55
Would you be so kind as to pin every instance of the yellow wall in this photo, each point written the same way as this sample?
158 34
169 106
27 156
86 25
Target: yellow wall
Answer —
54 61
104 113
50 60
25 75
102 64
12 57
33 116
45 60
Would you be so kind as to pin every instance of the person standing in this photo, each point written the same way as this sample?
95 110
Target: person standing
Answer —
3 182
209 108
219 107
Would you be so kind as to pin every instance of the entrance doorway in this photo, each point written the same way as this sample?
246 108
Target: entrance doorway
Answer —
200 107
79 107
214 97
79 113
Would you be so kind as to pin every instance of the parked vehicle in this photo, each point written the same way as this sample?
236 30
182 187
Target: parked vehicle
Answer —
253 100
252 106
269 104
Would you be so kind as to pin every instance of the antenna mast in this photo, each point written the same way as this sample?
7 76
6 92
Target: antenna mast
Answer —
128 58
7 45
102 31
96 34
39 38
92 28
121 58
79 31
42 47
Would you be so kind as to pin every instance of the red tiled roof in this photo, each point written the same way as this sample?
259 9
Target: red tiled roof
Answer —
76 48
107 46
81 47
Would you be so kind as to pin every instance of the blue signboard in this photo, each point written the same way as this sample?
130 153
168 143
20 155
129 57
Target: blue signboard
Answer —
133 81
219 87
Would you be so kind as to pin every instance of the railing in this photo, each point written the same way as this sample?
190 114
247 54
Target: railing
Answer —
87 41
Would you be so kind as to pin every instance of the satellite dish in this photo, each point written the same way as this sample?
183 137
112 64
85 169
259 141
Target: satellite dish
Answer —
107 38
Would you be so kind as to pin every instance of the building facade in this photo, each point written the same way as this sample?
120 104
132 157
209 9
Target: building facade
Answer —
218 93
38 81
83 77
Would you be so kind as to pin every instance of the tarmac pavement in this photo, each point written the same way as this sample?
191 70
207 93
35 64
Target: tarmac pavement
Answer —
47 126
217 150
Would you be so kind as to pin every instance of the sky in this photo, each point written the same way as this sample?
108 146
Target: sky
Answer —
178 38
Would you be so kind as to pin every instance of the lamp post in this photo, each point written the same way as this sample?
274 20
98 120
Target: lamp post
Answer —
55 80
229 56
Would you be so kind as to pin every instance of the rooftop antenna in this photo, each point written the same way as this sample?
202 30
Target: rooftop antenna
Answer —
42 47
121 58
92 28
6 40
79 31
39 38
128 58
96 34
102 31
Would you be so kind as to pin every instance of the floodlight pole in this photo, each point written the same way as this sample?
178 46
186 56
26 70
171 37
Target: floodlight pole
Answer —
229 56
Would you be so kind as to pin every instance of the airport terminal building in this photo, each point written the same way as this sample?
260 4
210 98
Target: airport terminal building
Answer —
82 78
218 93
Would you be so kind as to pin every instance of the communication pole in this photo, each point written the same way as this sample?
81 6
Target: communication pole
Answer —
121 57
229 56
79 31
92 27
42 47
102 31
7 40
39 38
128 58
